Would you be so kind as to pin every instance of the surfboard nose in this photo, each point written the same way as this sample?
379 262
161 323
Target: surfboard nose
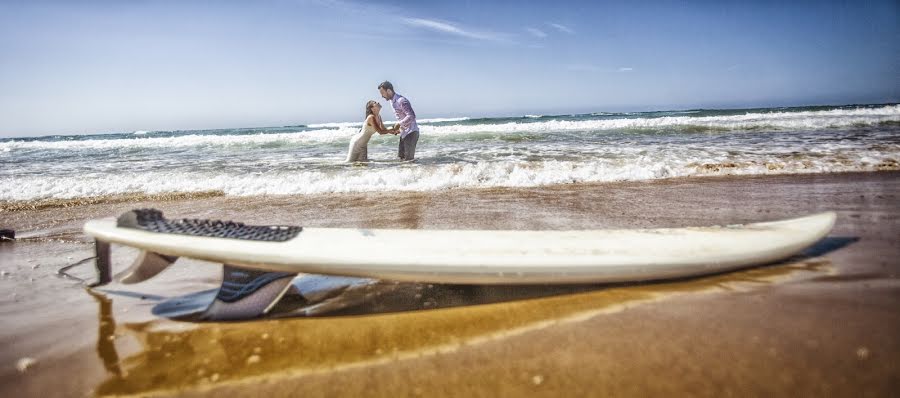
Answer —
822 223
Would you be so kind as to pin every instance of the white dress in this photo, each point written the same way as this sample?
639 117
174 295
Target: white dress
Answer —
359 144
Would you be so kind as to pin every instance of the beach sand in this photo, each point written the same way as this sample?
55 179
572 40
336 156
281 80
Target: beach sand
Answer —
825 323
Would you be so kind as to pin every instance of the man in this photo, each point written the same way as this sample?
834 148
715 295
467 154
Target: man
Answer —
409 130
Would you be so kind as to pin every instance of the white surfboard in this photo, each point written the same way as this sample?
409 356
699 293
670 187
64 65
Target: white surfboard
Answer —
261 261
494 257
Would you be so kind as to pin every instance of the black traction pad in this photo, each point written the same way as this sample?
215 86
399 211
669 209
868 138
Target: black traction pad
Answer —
152 220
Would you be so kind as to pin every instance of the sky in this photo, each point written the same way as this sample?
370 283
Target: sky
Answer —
75 67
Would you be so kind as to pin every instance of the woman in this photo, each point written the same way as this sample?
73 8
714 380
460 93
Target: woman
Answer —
359 144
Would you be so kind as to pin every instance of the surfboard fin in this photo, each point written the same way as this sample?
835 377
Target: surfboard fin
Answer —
325 293
247 293
146 265
104 271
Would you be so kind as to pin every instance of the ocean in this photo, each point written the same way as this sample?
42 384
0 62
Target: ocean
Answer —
524 151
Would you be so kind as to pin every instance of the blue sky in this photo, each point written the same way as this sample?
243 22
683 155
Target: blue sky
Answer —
103 66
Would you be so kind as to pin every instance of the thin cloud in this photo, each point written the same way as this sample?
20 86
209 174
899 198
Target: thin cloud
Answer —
536 32
625 69
448 28
561 28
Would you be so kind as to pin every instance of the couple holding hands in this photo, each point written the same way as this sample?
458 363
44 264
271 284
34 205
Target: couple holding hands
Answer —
406 126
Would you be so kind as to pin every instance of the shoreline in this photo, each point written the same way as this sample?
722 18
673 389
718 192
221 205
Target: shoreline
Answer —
762 331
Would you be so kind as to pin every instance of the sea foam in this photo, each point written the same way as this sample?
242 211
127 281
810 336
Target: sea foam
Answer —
414 177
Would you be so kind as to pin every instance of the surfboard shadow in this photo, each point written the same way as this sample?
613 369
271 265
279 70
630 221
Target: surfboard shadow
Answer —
828 245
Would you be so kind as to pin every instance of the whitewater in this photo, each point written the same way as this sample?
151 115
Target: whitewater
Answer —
456 152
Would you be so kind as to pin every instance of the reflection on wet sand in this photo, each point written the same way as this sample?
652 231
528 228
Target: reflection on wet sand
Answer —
106 334
179 360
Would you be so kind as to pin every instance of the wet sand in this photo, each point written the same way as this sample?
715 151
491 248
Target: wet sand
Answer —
822 324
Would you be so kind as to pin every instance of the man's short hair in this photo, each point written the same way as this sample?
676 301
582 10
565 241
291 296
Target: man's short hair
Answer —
386 85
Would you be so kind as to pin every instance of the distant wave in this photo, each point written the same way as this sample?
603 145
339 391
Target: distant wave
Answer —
184 140
359 123
332 132
335 125
808 120
443 120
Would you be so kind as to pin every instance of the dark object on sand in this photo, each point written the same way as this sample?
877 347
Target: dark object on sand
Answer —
7 235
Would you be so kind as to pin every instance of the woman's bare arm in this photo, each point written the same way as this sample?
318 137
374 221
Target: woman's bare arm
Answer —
372 120
379 125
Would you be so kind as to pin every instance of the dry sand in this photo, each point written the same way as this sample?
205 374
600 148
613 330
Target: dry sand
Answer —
823 324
